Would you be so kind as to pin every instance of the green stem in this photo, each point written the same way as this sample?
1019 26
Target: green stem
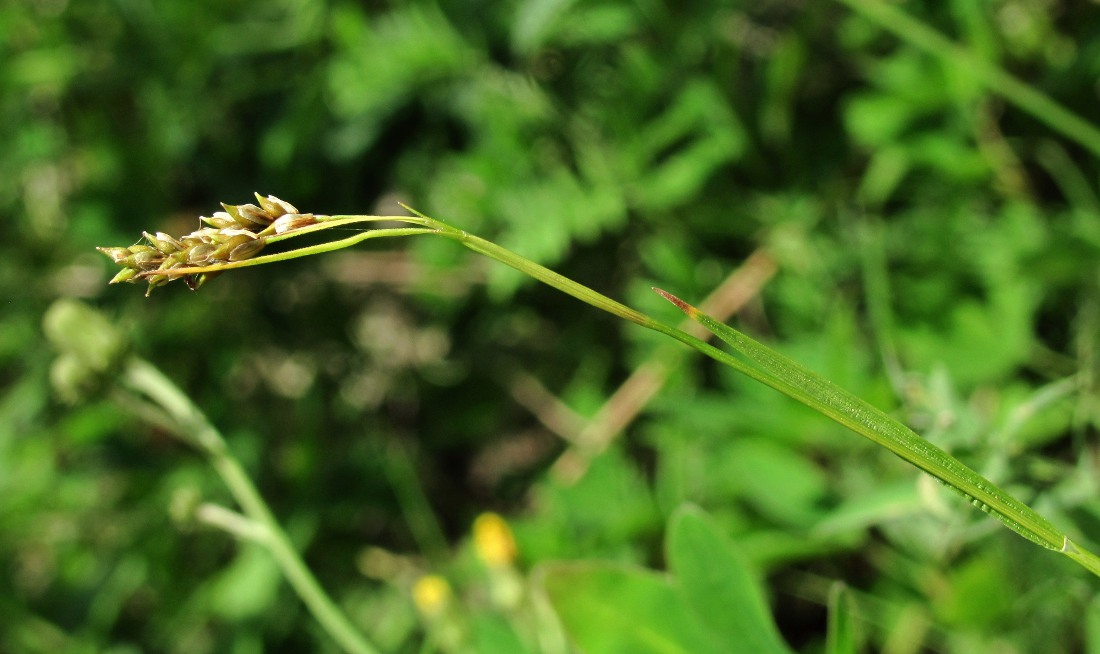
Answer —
143 378
589 296
549 277
1083 557
414 503
809 389
1034 102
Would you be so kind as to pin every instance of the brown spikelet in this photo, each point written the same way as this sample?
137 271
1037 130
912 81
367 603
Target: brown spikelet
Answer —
237 233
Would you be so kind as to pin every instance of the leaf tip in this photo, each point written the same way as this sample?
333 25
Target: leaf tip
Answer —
411 210
680 304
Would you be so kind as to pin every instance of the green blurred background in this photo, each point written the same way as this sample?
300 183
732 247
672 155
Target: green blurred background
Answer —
936 252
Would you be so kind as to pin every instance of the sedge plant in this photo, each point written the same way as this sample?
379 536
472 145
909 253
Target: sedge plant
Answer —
236 236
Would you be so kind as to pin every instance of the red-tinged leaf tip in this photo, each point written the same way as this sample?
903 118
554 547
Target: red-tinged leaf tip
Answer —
680 304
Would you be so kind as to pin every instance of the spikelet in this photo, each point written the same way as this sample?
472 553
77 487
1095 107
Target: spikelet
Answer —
236 233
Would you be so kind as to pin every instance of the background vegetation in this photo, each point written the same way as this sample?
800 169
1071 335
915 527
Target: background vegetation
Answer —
914 237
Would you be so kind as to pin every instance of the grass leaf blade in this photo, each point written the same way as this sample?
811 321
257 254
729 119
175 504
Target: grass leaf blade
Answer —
854 413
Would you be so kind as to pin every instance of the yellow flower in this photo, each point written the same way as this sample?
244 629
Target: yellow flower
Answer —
431 594
493 540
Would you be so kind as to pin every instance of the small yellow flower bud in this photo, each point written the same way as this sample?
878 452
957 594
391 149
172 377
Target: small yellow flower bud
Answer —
431 594
493 540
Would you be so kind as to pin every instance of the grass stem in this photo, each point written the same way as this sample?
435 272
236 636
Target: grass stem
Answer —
144 379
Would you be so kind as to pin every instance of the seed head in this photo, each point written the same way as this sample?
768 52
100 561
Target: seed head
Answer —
236 233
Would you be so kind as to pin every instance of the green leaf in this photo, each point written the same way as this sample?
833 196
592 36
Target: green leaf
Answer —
600 515
719 586
615 609
800 383
840 638
679 151
493 635
977 593
779 482
248 587
1092 627
883 503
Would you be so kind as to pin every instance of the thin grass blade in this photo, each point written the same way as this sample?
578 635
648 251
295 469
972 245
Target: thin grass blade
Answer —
827 398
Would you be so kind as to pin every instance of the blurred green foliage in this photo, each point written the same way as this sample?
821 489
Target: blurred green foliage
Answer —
937 254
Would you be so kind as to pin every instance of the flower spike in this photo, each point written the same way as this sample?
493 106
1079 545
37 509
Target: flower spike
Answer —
236 233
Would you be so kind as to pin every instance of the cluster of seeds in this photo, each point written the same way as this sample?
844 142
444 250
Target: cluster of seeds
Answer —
235 234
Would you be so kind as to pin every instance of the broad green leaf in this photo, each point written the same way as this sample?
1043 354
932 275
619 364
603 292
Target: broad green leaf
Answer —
719 586
777 481
607 509
493 635
877 119
977 593
982 342
248 587
615 609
